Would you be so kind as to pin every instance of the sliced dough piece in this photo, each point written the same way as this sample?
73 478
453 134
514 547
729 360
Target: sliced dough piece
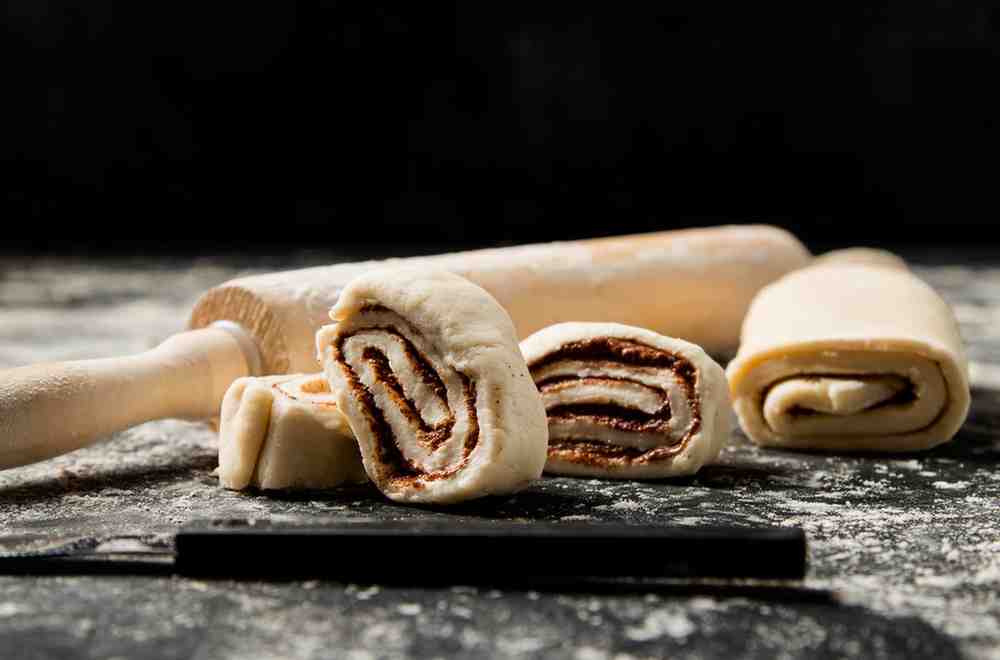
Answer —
282 432
853 353
426 368
626 402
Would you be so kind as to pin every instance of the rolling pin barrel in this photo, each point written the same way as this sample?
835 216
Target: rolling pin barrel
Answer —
695 284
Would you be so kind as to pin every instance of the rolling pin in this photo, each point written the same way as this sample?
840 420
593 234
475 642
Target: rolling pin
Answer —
695 284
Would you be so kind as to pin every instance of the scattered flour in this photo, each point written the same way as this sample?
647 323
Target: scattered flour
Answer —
12 609
589 653
906 465
461 612
519 645
659 623
953 485
624 505
800 506
365 594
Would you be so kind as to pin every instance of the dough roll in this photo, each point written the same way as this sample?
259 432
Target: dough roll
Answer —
426 368
625 402
281 432
854 353
711 276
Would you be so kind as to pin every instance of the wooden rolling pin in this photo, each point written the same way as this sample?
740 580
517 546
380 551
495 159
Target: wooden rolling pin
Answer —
695 284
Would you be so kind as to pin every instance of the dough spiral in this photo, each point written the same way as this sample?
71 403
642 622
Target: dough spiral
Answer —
853 353
282 432
627 402
426 368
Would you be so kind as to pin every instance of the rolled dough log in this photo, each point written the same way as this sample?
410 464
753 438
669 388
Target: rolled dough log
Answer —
626 402
426 368
694 283
853 353
280 432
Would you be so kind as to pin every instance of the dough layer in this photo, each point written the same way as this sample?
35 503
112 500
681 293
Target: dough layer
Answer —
626 402
426 368
284 432
850 354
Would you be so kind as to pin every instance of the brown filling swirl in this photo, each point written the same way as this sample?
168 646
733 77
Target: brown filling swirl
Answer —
395 465
319 386
615 352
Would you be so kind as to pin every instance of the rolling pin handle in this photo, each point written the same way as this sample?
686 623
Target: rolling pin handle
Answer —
51 409
251 352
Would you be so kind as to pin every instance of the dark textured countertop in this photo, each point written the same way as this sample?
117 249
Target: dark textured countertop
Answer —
906 547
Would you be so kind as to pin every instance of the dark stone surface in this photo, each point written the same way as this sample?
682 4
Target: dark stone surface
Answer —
906 546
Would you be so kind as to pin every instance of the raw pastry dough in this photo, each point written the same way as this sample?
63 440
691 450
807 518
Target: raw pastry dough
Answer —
285 432
852 353
627 402
426 368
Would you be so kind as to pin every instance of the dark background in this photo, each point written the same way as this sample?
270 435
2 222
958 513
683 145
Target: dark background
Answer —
230 126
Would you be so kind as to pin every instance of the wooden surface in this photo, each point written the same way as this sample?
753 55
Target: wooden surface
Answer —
903 548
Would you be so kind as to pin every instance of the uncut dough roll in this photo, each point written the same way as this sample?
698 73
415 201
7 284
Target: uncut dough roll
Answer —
711 274
426 368
626 402
854 353
282 432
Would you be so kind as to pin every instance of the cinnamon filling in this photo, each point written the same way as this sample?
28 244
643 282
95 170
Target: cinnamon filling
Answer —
432 436
616 417
613 349
611 352
396 467
314 388
317 386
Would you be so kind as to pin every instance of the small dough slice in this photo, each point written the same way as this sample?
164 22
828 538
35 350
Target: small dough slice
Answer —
625 402
854 353
426 368
284 432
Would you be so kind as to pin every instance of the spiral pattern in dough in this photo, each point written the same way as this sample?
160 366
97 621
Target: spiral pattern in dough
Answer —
428 373
854 353
422 412
623 401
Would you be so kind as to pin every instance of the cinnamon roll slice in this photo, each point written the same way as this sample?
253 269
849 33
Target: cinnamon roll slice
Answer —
626 402
426 368
281 432
854 353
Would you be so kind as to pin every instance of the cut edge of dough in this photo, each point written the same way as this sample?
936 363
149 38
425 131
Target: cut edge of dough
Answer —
745 393
702 449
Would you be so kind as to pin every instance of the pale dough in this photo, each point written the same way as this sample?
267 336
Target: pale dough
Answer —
852 353
282 432
426 368
626 402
